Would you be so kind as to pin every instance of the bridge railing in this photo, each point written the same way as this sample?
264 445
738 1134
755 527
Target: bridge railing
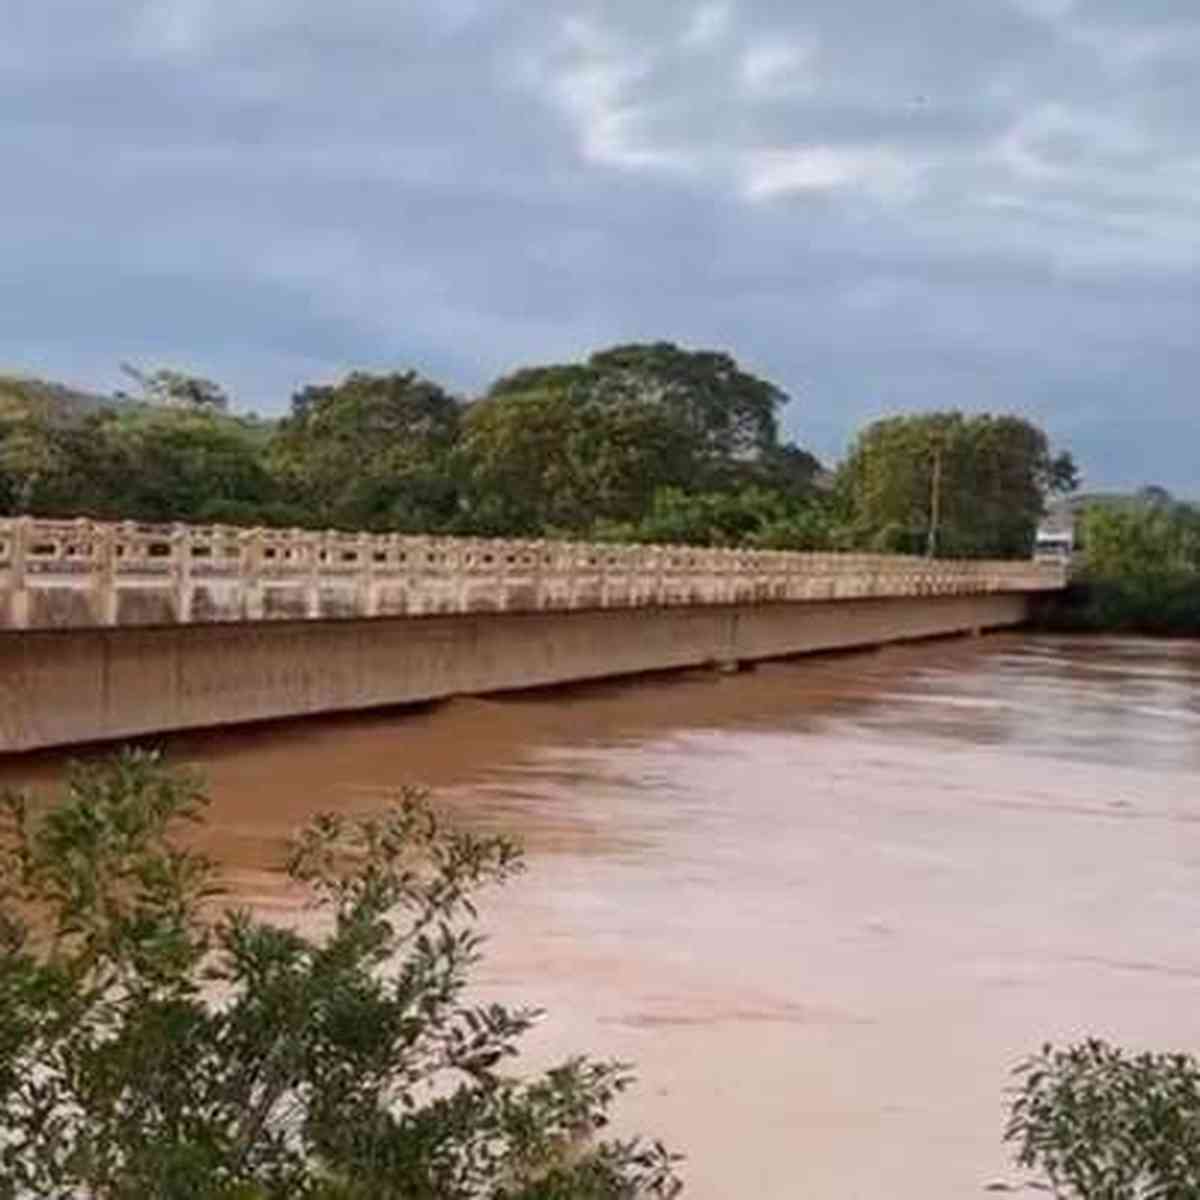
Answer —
70 574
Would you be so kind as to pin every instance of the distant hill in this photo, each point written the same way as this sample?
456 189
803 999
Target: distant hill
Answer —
1150 496
1103 500
1063 513
22 395
56 404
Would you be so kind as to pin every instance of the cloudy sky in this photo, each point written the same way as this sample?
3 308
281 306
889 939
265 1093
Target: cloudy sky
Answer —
878 205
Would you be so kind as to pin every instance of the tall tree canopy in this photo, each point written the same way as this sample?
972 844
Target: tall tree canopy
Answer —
731 413
972 486
728 414
371 452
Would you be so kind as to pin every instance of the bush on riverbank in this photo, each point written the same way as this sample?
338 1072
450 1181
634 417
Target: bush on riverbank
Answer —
153 1046
1140 571
1170 608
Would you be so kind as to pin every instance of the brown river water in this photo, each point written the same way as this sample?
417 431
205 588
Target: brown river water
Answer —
824 905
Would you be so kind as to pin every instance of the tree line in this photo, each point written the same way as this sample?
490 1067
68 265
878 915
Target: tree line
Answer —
642 442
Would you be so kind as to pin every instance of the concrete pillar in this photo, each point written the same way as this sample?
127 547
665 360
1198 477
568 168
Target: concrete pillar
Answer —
312 572
181 570
252 596
368 599
22 528
104 574
602 561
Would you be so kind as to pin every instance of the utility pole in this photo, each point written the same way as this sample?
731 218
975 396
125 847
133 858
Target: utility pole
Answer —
935 501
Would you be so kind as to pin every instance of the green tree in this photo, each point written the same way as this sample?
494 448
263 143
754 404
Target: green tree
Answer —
168 388
1155 496
578 380
752 517
569 446
732 414
35 452
969 486
152 1045
1143 543
31 461
371 452
167 464
727 415
1096 1123
789 470
553 459
1140 568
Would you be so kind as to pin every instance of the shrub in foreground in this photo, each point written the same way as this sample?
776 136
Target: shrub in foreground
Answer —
155 1045
1096 1122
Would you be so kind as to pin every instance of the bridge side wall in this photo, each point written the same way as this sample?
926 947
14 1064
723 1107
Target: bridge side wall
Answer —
72 686
78 574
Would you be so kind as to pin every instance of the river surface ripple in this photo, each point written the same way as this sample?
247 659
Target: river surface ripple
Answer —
825 905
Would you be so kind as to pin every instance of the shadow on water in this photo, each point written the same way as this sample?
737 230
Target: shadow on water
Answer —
1051 696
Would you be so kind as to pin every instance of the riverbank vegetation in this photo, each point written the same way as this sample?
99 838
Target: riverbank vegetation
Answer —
1092 1121
644 442
154 1044
1138 569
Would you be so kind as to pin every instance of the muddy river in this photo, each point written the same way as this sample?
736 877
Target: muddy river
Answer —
824 905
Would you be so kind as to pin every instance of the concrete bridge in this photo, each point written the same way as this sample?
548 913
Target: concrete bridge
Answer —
116 630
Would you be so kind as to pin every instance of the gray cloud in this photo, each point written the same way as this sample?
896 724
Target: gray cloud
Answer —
986 203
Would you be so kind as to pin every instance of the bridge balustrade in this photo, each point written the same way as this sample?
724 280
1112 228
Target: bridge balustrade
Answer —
81 573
